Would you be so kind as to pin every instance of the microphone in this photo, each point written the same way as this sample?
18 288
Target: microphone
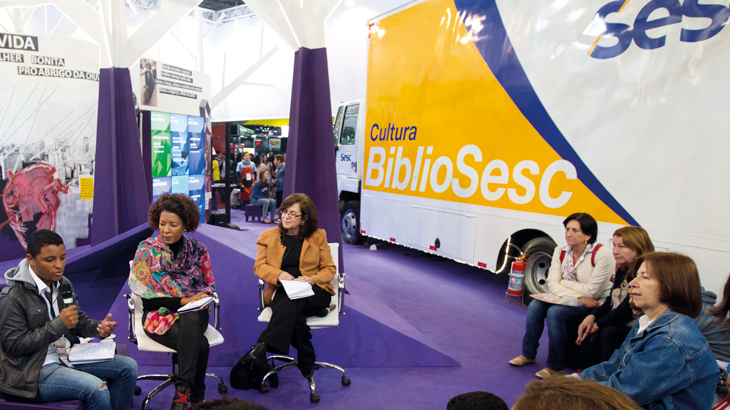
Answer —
325 311
66 294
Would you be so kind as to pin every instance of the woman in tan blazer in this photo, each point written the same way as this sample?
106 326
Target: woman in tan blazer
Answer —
295 250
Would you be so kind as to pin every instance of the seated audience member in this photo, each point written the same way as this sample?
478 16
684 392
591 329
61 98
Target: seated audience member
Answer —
260 196
477 400
665 361
569 393
713 322
38 325
295 250
168 272
228 403
612 321
579 270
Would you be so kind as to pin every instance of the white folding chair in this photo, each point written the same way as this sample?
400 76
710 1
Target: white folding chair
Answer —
144 343
314 322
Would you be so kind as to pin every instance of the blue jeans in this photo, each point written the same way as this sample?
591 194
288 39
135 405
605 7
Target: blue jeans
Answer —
265 204
557 318
83 382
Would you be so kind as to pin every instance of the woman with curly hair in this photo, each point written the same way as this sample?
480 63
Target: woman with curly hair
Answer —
169 271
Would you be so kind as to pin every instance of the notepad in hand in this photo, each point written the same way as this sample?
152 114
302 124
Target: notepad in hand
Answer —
557 300
83 353
296 289
196 306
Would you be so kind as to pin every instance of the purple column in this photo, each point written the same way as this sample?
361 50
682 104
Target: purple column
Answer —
120 189
310 153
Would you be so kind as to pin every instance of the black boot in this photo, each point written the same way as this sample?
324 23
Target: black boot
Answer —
181 400
197 395
256 354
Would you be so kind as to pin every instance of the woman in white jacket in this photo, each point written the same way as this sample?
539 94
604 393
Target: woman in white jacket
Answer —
579 270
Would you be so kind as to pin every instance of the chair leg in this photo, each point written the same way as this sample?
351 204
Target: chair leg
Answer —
168 381
222 388
290 362
321 365
313 396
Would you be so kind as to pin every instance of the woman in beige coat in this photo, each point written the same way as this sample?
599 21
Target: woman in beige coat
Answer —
295 250
580 271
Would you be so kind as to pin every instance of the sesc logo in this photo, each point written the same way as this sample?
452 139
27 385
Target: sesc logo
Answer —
346 156
625 34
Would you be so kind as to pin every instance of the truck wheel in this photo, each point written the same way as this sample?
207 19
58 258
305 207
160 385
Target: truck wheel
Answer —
540 253
350 223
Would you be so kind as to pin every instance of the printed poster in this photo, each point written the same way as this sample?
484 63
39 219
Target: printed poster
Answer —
161 144
49 93
196 145
161 186
197 193
179 141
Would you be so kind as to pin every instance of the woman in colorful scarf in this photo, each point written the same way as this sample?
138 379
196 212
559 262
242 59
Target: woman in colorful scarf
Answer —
580 270
170 271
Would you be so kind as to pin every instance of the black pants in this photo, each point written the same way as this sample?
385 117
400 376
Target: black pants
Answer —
187 337
288 324
279 195
608 339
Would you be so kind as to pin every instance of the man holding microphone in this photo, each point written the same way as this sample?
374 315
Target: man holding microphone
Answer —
40 320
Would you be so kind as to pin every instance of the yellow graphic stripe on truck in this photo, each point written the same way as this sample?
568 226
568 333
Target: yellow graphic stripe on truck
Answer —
423 139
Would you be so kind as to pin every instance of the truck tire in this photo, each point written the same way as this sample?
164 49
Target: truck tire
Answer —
540 253
350 223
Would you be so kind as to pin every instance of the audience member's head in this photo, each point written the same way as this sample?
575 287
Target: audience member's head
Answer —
635 243
679 281
228 403
588 225
572 393
477 400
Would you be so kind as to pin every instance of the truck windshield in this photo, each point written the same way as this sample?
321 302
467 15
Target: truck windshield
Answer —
349 125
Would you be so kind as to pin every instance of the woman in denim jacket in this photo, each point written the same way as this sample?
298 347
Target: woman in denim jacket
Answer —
665 361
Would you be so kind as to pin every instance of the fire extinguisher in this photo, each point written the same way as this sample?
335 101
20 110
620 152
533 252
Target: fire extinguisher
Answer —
516 274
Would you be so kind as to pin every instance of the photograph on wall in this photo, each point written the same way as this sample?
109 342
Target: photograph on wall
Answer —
161 150
148 81
179 140
49 92
167 88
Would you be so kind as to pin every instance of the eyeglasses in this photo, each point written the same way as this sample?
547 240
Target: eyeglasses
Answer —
290 214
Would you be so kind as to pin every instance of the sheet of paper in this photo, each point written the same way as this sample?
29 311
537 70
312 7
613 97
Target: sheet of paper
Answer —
196 306
297 289
548 298
557 300
92 352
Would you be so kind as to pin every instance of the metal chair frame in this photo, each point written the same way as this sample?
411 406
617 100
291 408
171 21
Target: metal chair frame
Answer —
168 379
290 362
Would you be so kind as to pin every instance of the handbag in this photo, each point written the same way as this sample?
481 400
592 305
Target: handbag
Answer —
248 374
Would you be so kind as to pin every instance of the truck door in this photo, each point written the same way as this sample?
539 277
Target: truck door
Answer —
345 128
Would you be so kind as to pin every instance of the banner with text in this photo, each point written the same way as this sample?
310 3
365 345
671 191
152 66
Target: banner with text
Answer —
49 91
162 87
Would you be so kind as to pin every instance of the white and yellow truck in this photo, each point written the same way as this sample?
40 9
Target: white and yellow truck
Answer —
487 122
